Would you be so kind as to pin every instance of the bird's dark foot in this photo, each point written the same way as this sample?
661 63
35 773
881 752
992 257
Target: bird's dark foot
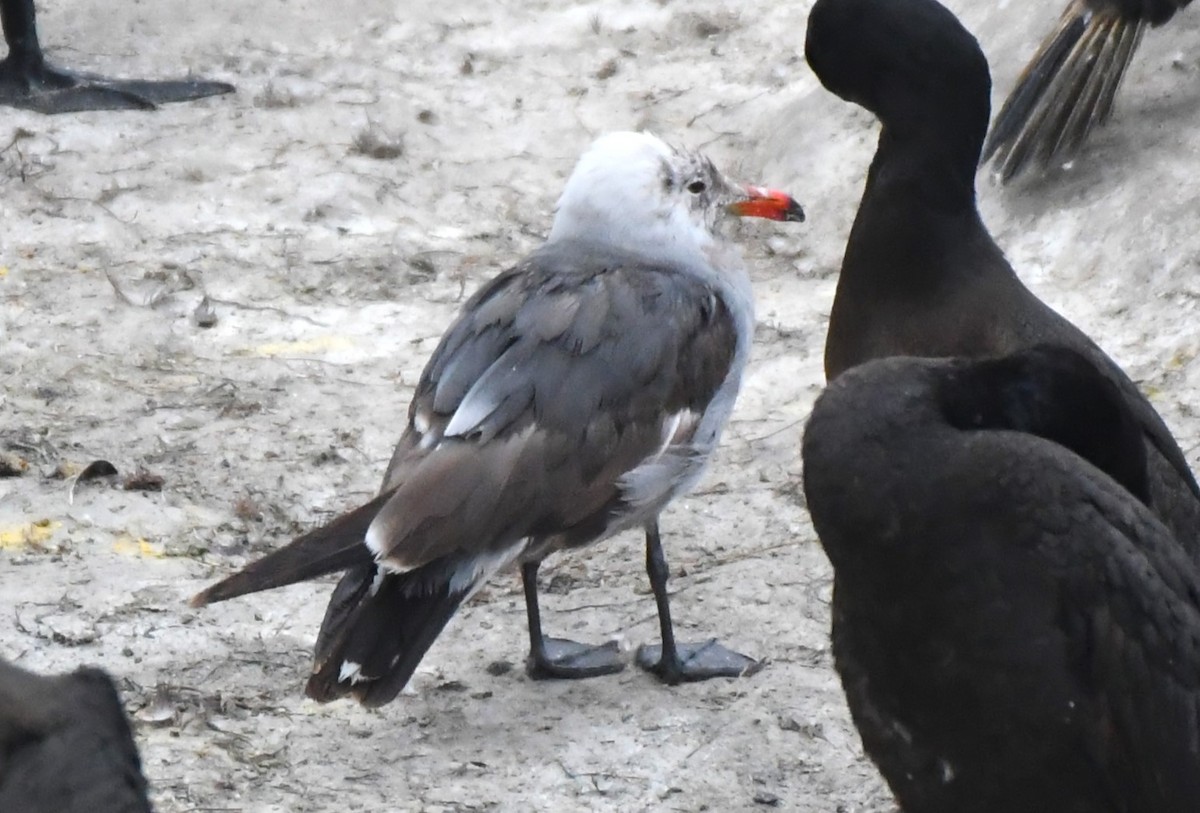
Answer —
696 662
570 660
46 89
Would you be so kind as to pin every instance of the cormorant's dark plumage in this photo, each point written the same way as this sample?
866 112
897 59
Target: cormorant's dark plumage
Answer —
1057 394
1069 85
28 81
1014 630
65 745
921 275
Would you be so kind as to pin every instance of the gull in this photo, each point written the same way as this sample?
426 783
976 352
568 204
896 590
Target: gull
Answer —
574 396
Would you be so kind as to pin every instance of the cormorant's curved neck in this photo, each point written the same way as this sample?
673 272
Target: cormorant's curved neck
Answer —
924 164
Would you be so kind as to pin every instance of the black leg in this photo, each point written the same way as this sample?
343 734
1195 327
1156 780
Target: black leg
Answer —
20 32
675 663
558 657
26 80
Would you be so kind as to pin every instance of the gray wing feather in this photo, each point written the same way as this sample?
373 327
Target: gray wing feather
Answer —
497 397
557 344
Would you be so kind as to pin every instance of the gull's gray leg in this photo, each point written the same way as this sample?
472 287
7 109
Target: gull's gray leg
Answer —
558 657
675 663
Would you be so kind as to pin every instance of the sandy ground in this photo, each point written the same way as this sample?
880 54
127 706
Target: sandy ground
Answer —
376 165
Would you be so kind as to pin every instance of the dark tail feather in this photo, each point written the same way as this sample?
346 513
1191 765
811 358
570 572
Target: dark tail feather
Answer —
1034 80
384 633
1065 91
328 549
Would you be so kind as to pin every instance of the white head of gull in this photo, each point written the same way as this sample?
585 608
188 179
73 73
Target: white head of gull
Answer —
632 190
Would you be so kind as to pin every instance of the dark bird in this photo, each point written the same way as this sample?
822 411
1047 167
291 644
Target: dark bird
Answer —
1069 86
28 81
921 276
65 745
1014 629
574 396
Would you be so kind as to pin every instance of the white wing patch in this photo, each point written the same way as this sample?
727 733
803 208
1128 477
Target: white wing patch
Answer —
678 429
421 422
477 405
374 539
669 428
473 573
662 474
351 673
380 545
377 581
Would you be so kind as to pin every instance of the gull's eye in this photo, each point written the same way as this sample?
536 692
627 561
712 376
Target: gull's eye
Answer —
696 187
